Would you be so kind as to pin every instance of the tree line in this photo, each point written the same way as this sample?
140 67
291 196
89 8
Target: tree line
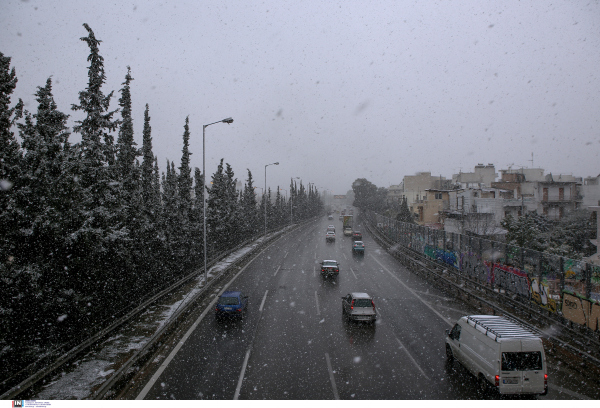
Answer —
90 229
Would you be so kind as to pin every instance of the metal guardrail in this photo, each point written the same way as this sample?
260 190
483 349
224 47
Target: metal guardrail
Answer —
71 354
434 272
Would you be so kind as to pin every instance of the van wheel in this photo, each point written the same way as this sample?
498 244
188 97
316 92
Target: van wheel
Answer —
449 355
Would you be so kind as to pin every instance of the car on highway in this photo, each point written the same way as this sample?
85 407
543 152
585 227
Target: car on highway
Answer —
330 217
330 267
357 236
358 247
331 228
330 236
348 231
359 306
341 217
231 303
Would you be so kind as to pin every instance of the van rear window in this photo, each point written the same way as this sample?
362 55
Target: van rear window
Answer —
522 361
363 303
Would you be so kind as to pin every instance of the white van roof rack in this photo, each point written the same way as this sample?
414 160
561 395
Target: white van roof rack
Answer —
499 327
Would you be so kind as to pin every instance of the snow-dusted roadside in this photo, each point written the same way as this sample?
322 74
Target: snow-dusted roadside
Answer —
90 371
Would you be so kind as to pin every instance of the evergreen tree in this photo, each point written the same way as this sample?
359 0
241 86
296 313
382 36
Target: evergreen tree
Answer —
147 176
404 215
126 151
98 123
185 179
216 212
10 153
248 210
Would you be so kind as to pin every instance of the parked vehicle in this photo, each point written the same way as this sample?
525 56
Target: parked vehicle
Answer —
330 236
358 247
231 303
359 306
330 267
500 353
357 236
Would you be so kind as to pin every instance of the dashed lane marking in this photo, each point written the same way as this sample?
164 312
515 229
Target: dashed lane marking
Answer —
263 301
413 292
317 302
333 386
353 273
277 270
411 357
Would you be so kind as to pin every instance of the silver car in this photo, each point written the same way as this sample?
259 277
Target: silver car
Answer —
359 306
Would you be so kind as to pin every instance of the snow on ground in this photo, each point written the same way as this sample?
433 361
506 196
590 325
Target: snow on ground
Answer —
93 368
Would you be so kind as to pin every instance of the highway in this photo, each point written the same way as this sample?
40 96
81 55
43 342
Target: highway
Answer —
295 344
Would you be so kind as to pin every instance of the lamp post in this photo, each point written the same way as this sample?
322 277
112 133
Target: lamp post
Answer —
266 165
228 121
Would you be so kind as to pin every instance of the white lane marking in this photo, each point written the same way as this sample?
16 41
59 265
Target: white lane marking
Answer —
345 256
317 299
314 271
315 255
568 392
286 254
413 292
239 386
430 294
335 392
263 301
277 270
210 306
353 273
411 357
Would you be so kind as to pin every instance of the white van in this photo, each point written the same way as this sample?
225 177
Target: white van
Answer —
500 352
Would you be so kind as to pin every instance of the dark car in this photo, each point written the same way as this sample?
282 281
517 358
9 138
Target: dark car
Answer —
357 236
359 306
231 303
330 267
358 247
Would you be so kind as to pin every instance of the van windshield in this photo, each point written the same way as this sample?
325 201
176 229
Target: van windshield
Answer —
522 361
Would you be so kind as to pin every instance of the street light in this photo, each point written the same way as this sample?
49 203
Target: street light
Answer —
277 164
228 121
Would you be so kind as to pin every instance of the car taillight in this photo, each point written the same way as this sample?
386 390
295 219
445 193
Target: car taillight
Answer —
239 310
545 380
497 381
352 305
373 303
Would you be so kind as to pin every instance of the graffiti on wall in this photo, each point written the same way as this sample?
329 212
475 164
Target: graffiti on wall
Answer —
540 295
581 311
447 257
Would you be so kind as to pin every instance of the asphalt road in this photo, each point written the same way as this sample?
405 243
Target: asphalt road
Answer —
294 343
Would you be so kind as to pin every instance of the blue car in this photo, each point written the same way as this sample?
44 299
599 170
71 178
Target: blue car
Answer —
358 247
231 303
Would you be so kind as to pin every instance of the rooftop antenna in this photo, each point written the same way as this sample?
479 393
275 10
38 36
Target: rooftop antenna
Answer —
531 160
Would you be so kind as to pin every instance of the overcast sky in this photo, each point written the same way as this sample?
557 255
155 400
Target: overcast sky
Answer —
333 91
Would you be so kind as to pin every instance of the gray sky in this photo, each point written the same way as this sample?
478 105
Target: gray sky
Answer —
334 91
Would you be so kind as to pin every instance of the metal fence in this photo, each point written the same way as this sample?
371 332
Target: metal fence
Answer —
560 285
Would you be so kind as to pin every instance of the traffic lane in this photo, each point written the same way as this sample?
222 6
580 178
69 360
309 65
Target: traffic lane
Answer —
208 364
388 353
286 361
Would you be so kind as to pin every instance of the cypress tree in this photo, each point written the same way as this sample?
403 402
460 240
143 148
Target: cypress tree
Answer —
185 179
126 151
147 176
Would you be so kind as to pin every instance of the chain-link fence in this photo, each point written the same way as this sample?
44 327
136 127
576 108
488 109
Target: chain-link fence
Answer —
560 285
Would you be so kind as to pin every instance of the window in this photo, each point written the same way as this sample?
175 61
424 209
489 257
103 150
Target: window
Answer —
561 193
455 333
228 300
363 303
545 195
438 196
522 361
